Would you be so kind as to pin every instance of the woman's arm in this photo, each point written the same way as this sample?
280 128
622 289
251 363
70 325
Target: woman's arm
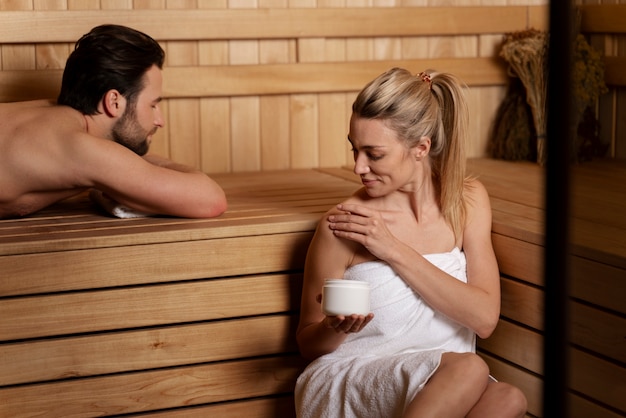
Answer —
475 304
327 257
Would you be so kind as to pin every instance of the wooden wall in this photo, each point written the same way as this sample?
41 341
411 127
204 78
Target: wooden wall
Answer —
612 106
262 129
255 127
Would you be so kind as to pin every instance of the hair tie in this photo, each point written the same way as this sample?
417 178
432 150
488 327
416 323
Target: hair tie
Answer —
426 78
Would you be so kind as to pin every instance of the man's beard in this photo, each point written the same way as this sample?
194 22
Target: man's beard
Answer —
129 133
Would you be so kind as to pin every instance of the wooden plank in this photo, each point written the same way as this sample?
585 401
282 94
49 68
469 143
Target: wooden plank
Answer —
152 390
598 283
515 344
20 85
603 18
330 77
265 23
519 259
614 73
598 331
264 79
529 383
281 406
72 313
584 408
97 354
519 182
598 241
522 303
598 379
140 264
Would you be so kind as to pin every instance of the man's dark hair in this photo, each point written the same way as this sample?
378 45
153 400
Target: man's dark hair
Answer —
108 57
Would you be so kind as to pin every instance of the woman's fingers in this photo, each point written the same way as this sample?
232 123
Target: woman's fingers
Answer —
348 324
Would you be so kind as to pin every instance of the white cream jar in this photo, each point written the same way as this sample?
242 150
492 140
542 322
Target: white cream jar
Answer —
345 297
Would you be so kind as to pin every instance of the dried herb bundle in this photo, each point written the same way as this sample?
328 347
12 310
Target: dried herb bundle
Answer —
527 55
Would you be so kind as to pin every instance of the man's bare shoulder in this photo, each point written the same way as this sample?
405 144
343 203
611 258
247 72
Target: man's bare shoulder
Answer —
20 119
38 153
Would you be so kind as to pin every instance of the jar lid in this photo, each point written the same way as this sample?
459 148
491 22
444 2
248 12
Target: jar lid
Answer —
346 283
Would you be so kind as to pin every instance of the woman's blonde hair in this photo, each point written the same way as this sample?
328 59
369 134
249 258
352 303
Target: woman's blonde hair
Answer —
429 104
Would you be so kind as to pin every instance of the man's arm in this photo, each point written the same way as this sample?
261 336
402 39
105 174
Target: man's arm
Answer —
150 184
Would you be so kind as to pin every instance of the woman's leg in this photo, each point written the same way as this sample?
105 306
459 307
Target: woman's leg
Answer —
500 400
453 390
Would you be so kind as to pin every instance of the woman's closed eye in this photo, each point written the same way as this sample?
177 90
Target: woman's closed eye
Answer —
370 156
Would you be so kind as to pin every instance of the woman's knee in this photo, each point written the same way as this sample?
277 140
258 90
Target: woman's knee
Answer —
467 364
516 402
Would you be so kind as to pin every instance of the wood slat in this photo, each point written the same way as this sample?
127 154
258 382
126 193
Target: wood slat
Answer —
522 303
519 259
134 307
265 79
530 384
160 230
273 202
282 406
152 390
178 24
584 408
598 331
597 283
329 76
614 73
603 18
140 264
598 379
515 344
97 354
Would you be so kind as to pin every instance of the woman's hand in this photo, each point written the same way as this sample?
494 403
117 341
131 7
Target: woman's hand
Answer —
365 226
347 324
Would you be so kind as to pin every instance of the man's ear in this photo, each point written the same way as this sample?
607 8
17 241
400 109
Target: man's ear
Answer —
113 103
422 148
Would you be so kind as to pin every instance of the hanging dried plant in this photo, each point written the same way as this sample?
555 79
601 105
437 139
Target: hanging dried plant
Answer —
526 54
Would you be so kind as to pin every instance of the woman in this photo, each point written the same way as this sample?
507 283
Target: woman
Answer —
419 231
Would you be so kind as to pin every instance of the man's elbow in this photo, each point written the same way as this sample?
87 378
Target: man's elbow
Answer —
217 208
209 206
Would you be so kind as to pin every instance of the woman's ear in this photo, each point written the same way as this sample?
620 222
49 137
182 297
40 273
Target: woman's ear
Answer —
422 148
113 103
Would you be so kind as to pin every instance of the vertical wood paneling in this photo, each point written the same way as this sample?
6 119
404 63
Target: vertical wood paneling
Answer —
51 56
184 114
230 138
245 134
275 133
50 4
333 129
184 131
215 135
245 115
83 4
215 132
274 110
304 130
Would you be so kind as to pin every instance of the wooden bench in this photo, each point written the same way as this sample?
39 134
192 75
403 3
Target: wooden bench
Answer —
103 316
597 286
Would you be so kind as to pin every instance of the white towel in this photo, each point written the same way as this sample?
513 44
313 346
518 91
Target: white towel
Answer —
115 208
377 372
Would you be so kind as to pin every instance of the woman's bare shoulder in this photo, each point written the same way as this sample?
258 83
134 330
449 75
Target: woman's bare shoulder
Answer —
475 193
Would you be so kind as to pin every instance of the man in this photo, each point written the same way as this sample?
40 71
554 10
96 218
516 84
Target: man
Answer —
97 136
